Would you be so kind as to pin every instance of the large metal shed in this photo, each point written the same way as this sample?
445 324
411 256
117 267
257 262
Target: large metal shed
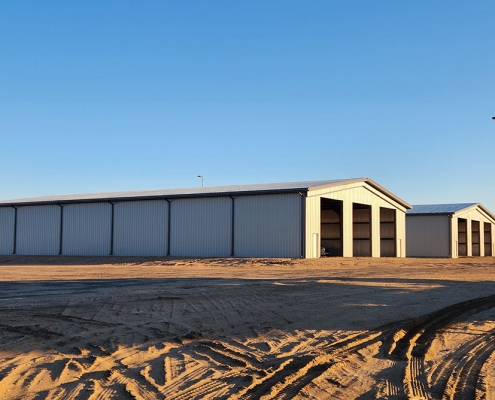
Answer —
343 217
450 230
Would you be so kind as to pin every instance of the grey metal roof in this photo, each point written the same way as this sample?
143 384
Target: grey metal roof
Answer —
183 192
439 208
263 188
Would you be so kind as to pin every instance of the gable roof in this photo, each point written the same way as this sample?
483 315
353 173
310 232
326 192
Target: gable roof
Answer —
208 191
446 209
424 209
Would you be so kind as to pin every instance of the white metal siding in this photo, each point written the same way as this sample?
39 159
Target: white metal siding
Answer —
428 235
38 230
313 227
87 229
349 195
140 228
268 226
474 214
363 194
7 220
201 227
401 233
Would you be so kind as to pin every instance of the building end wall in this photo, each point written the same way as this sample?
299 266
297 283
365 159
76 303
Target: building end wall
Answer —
428 236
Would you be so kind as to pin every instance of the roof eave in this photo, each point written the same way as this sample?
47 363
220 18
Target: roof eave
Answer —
482 208
462 210
110 199
423 214
405 204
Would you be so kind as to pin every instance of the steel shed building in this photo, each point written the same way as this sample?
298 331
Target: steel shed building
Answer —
343 217
450 230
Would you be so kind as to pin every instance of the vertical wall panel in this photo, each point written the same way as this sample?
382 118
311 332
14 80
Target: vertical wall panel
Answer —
347 228
268 225
313 226
454 238
7 220
87 229
401 233
140 228
38 230
469 238
428 236
201 227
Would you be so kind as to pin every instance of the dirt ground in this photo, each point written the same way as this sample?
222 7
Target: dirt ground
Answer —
334 328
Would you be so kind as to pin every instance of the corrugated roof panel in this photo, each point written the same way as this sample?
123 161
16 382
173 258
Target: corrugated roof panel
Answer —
199 191
209 191
439 208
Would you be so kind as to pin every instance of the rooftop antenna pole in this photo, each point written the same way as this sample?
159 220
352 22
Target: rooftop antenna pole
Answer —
202 180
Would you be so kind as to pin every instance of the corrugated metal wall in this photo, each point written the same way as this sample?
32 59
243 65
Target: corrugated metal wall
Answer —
87 229
7 220
268 226
140 228
428 236
38 230
201 227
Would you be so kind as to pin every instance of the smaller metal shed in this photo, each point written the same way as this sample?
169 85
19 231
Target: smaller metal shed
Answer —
450 230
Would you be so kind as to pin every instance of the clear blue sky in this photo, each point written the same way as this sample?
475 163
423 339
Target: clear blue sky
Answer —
102 96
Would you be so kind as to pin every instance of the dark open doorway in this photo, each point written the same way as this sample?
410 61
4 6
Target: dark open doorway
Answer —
387 232
488 239
331 228
475 238
361 230
462 237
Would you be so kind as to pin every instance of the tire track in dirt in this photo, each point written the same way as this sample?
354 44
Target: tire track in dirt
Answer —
466 377
394 388
278 361
189 370
442 372
72 392
416 383
417 339
421 331
173 367
296 372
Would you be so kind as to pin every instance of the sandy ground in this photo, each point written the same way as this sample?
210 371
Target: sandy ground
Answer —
103 328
